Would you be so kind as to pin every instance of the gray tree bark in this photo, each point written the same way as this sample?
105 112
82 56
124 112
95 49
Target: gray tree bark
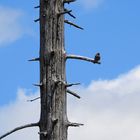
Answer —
53 119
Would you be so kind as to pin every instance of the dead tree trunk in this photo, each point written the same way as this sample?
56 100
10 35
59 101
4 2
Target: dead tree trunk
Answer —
53 119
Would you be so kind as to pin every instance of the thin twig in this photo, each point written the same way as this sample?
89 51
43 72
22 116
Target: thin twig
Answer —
19 128
34 59
73 93
82 58
33 99
37 7
38 85
70 13
75 124
70 23
73 84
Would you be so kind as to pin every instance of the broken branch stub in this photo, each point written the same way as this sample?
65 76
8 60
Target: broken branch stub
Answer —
73 93
70 23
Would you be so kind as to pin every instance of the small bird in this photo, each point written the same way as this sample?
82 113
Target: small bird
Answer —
97 58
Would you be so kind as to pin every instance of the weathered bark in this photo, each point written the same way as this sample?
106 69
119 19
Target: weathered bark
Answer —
53 117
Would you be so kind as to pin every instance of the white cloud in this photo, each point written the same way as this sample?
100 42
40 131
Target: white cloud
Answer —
10 27
90 4
20 112
108 108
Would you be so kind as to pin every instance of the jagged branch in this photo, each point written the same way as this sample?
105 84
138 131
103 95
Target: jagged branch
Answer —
38 85
82 58
36 20
37 7
68 1
69 13
73 84
73 93
70 23
75 124
68 91
19 128
34 59
33 99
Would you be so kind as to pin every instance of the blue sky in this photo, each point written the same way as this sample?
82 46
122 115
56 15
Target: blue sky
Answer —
111 27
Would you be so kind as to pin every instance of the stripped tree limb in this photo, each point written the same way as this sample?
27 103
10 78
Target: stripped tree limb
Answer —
68 91
33 99
82 58
34 59
75 124
68 1
70 23
73 93
74 84
38 85
65 12
70 13
19 128
37 7
36 20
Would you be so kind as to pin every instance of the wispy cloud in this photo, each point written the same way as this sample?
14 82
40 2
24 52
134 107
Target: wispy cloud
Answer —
108 108
10 27
20 112
90 4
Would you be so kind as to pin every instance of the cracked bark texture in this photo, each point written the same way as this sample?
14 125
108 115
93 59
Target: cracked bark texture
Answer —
53 118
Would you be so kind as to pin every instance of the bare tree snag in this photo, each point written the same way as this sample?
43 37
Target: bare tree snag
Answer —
53 100
19 128
53 123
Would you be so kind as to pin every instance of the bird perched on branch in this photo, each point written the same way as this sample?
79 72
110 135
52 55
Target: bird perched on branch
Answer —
97 58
